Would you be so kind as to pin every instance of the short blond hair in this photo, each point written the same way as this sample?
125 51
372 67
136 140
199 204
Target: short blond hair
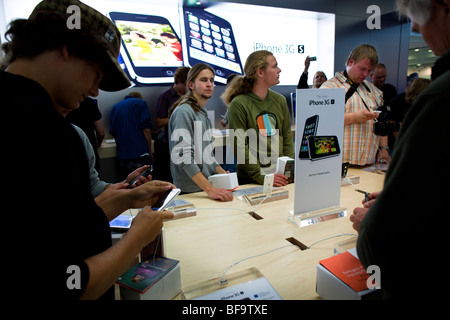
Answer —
136 94
363 51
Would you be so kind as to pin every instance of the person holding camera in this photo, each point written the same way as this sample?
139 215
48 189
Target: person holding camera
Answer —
363 141
318 79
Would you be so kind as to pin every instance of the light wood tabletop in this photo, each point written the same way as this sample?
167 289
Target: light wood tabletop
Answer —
223 233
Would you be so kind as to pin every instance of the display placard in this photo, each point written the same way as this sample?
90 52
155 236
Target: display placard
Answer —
318 143
160 36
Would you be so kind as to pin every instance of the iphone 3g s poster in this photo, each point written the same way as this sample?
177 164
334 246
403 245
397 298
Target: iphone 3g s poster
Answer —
151 50
209 38
318 145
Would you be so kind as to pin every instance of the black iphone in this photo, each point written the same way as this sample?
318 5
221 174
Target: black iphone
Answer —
309 130
210 39
322 147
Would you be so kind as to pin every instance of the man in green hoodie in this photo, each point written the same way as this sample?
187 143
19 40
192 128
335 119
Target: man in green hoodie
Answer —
260 120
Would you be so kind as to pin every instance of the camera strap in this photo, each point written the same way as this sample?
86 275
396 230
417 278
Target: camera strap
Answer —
354 88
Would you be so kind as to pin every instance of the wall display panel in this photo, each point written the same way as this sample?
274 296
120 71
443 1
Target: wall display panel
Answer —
159 37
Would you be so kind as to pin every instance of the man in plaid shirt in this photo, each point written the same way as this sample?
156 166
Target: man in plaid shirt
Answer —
361 145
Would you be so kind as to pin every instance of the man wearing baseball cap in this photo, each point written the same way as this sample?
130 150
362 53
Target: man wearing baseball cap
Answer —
59 246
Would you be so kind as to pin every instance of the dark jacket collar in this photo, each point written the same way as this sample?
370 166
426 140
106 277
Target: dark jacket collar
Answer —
441 66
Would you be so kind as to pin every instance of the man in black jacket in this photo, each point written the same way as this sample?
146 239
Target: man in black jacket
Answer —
403 226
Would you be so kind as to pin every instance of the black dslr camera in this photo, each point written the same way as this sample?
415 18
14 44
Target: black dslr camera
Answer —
382 125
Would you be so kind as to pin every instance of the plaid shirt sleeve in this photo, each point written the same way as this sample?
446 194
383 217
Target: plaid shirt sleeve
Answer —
360 144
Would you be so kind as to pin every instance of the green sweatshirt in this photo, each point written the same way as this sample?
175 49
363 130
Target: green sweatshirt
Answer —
261 134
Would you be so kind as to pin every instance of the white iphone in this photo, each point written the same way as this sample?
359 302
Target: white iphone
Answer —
268 183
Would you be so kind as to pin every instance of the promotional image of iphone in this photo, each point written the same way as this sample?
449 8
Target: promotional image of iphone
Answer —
165 199
150 49
321 147
210 39
309 130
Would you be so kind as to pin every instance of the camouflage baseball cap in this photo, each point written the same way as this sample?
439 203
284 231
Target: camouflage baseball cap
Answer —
101 29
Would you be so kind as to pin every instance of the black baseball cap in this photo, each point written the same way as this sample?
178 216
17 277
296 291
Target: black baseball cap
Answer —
103 32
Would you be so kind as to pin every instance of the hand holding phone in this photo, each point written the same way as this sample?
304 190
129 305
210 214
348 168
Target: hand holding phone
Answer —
143 174
363 115
165 199
148 224
146 195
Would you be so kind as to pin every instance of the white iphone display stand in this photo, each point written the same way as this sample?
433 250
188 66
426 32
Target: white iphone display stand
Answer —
268 183
319 134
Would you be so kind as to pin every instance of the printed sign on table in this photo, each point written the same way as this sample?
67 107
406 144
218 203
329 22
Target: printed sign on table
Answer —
318 145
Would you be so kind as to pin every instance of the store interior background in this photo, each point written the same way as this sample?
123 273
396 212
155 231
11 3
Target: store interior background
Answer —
402 51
